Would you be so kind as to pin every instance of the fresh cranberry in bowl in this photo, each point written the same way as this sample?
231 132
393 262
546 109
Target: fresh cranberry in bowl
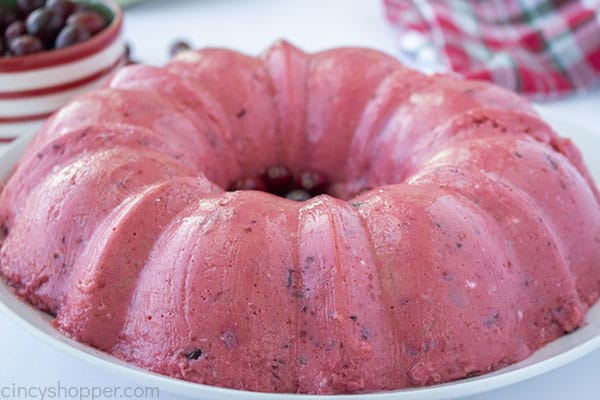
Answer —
92 21
64 7
71 35
14 30
41 68
25 44
44 23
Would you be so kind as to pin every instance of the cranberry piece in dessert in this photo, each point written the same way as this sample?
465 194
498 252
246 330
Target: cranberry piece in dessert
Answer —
298 195
313 182
278 179
25 44
90 20
194 354
7 17
249 184
64 7
45 23
26 7
70 35
178 47
14 30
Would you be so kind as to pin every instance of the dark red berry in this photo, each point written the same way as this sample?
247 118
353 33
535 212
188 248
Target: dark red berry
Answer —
14 30
313 182
7 17
63 7
179 46
90 20
278 179
249 184
70 35
128 59
298 195
26 7
45 23
25 44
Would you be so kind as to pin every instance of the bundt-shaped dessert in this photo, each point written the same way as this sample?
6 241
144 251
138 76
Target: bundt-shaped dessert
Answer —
459 233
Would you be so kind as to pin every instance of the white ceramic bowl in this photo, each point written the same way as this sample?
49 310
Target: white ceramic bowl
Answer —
34 86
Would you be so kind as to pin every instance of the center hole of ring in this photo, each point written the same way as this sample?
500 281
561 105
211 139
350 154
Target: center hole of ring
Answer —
282 181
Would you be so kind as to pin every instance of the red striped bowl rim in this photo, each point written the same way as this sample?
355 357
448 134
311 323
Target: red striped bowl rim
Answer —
59 88
70 86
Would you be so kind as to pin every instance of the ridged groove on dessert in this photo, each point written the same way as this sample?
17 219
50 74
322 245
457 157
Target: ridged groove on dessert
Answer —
68 205
476 123
213 253
207 116
566 147
541 312
339 85
79 143
443 309
577 208
424 111
287 67
143 109
343 330
513 206
392 91
105 274
241 86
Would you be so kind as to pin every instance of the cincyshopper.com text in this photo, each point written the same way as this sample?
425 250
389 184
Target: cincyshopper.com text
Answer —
62 392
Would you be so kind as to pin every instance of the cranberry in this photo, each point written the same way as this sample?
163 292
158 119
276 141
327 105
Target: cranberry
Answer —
25 44
7 17
278 179
45 23
313 182
194 354
26 7
63 7
70 35
178 47
90 20
298 195
15 29
129 60
248 184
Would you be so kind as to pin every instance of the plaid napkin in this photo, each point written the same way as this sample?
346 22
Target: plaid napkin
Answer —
541 48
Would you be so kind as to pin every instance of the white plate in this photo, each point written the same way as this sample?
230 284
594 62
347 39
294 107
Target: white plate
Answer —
558 353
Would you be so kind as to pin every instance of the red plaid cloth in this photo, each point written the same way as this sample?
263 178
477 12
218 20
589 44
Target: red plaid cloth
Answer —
540 48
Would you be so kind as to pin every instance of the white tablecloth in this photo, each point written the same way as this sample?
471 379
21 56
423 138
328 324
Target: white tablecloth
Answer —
251 26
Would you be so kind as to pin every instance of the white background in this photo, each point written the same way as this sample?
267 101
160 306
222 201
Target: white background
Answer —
250 26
